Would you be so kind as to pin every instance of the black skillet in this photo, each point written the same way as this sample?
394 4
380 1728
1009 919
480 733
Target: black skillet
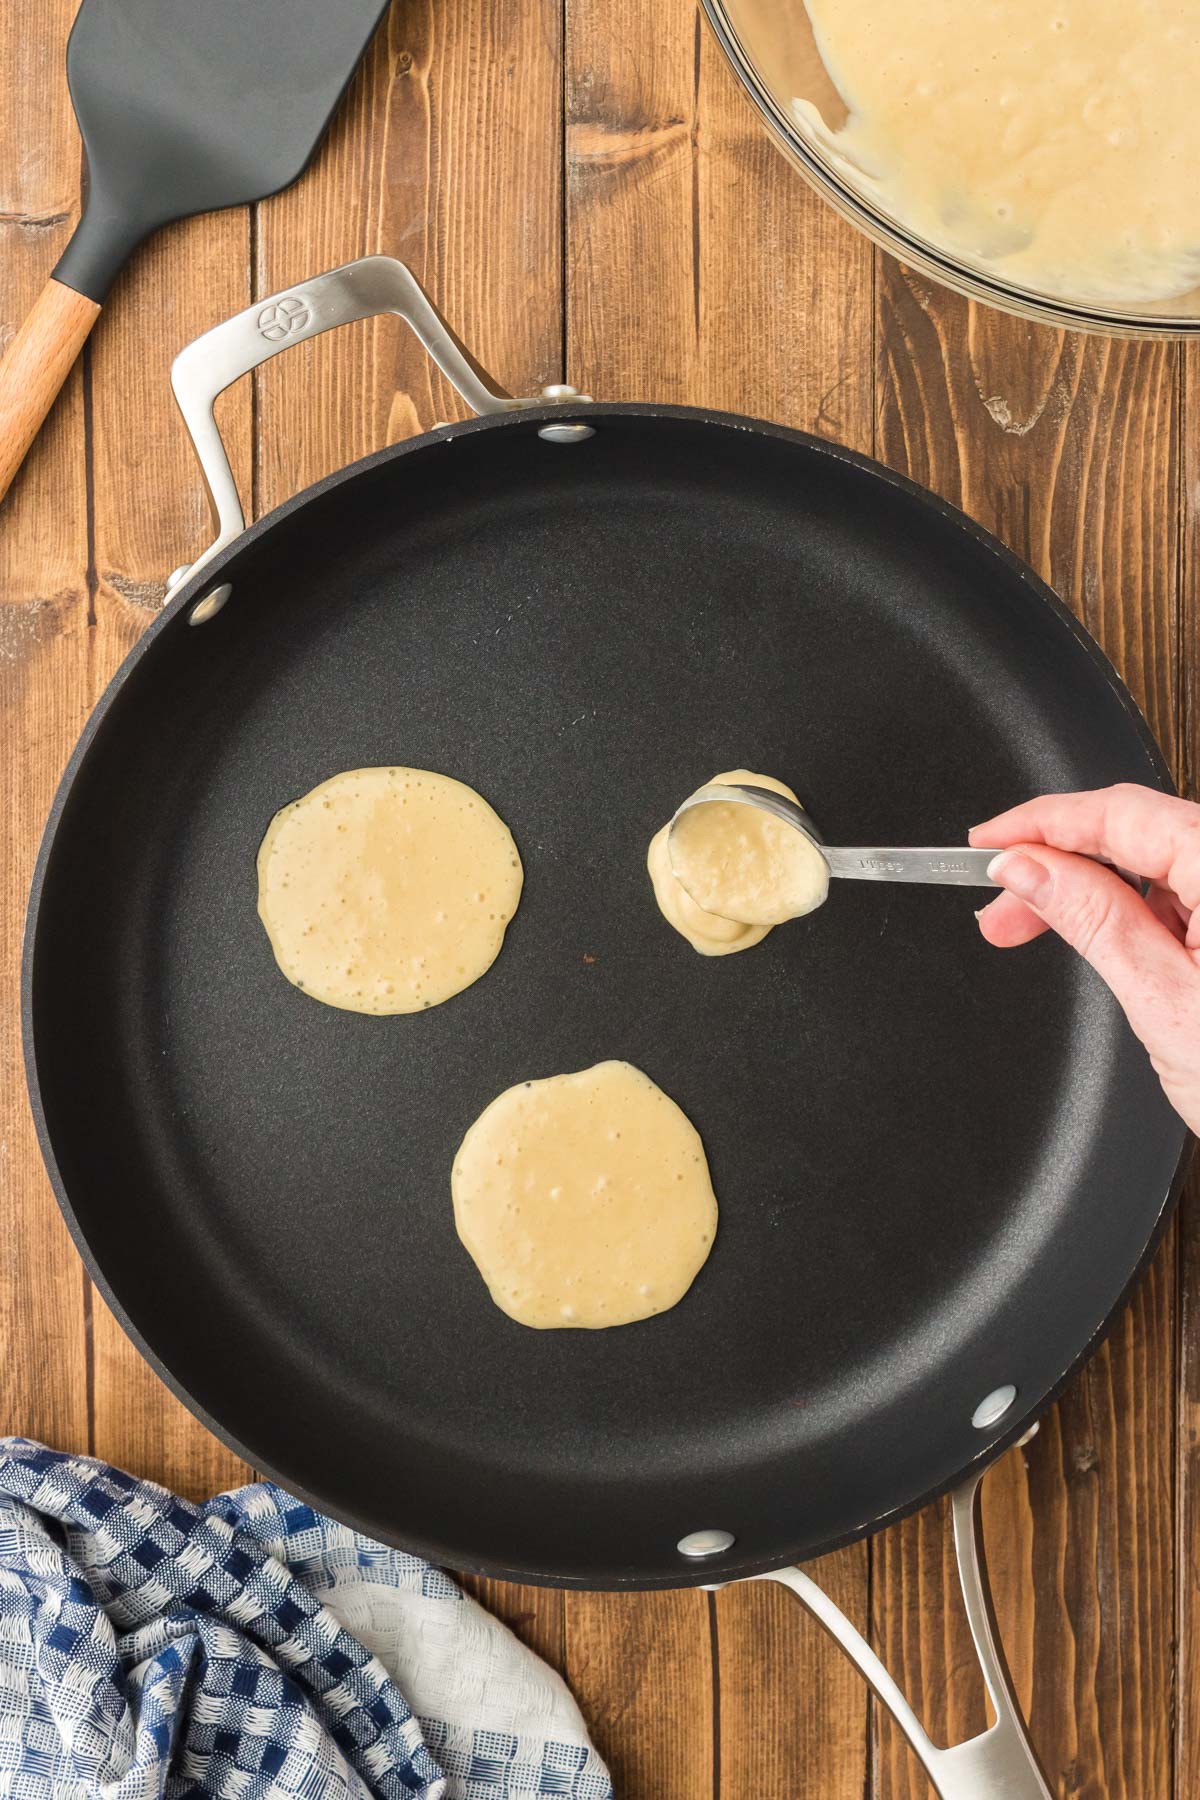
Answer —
939 1168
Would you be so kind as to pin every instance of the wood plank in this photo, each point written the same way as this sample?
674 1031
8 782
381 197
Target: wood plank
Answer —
1187 1717
449 157
793 1711
44 699
701 270
1067 448
641 1667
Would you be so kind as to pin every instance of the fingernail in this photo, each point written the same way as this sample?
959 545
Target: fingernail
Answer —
1029 880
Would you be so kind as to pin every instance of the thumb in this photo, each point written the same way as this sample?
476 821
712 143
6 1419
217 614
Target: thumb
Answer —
1099 915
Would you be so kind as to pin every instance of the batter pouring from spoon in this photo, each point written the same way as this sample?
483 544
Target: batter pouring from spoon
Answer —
1056 859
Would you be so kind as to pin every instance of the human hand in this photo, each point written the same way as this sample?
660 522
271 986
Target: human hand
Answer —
1148 951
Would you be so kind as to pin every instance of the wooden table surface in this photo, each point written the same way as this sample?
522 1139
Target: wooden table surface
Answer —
588 197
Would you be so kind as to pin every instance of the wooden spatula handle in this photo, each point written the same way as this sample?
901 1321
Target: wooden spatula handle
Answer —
35 366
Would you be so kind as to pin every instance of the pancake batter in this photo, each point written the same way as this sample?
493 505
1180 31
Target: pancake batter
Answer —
387 890
1054 140
585 1199
758 870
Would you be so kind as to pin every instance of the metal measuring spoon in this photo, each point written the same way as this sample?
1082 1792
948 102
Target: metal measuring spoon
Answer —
952 866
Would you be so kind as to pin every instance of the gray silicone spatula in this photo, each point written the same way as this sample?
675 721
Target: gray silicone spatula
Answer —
184 106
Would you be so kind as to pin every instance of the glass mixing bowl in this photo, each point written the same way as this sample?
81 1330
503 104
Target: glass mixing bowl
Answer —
771 47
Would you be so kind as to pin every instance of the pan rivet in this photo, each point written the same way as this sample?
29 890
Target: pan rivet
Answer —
177 575
566 434
989 1412
705 1543
210 606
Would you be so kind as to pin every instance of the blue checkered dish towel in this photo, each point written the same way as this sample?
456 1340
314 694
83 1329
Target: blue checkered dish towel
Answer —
151 1650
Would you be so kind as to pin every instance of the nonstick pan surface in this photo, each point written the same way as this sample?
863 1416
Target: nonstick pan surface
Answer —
939 1168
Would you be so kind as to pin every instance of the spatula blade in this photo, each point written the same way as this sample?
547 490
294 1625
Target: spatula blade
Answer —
186 106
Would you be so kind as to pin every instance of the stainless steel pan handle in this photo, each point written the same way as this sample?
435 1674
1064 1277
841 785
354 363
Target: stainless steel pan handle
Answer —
999 1764
357 290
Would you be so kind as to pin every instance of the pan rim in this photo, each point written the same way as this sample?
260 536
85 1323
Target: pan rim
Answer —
532 418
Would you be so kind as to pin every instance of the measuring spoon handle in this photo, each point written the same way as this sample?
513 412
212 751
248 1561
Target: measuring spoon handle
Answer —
951 867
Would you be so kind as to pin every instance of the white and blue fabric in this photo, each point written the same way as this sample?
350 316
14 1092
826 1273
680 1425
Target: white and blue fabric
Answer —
252 1649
